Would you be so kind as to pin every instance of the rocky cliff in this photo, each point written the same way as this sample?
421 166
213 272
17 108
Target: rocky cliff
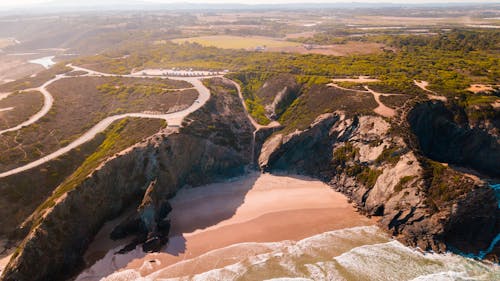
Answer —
421 202
389 170
214 143
445 140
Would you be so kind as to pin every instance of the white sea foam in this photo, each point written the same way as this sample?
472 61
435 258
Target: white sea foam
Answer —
359 253
368 254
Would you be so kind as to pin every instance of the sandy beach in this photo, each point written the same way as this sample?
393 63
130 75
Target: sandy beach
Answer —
253 209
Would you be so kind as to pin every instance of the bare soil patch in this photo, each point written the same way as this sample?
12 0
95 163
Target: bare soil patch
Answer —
478 88
360 79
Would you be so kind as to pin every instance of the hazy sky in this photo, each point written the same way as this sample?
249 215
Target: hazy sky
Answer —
27 2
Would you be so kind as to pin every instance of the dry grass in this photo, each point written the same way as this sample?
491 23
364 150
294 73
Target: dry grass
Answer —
395 101
24 105
22 193
78 106
321 99
238 42
349 48
307 34
16 67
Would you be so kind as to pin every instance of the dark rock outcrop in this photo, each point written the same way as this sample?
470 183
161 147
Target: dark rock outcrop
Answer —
145 175
384 177
443 140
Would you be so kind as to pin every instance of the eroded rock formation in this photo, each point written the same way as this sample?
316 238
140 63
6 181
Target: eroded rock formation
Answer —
420 202
214 144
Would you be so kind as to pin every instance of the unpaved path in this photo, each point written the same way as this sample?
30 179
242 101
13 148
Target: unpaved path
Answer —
432 95
381 109
48 101
173 119
6 109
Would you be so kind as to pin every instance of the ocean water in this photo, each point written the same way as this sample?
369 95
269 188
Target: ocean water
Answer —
359 253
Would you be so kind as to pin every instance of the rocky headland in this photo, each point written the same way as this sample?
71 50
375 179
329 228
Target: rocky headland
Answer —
389 168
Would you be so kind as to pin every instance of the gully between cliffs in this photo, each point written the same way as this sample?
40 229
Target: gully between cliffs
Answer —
360 156
213 144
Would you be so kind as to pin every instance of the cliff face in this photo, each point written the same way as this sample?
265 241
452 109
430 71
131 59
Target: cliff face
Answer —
442 139
421 203
283 89
145 175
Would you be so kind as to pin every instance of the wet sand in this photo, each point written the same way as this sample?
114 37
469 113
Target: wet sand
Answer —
256 208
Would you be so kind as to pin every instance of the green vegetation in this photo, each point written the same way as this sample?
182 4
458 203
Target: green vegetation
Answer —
450 70
119 136
35 81
310 80
344 160
250 84
390 155
472 100
445 185
219 87
403 182
123 90
345 154
321 99
368 177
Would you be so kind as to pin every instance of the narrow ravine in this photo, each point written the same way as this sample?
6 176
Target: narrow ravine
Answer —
255 124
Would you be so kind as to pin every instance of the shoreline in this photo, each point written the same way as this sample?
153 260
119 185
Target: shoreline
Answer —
256 208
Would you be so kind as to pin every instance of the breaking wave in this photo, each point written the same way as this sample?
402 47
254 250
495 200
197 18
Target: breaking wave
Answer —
359 253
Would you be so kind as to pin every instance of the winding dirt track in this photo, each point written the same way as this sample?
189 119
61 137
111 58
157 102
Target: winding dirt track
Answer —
381 109
48 101
173 119
432 95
